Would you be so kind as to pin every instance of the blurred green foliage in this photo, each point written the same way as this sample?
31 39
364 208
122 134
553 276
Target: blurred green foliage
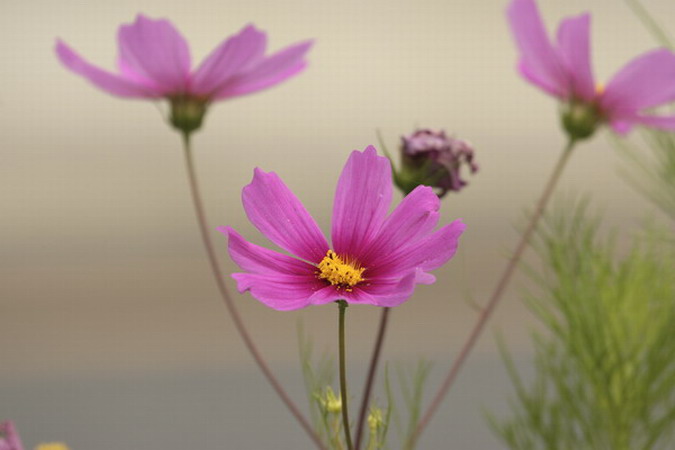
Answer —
403 402
605 357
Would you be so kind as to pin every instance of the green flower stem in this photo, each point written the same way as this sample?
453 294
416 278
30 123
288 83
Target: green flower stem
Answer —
229 303
342 305
496 295
372 370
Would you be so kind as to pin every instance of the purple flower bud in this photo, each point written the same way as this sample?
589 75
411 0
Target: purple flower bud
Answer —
433 159
9 438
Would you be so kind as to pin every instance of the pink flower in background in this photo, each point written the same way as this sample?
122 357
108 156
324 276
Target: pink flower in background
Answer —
564 71
9 438
374 258
154 62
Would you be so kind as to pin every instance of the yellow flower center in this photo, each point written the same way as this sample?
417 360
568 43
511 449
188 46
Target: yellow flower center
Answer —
338 272
52 446
599 88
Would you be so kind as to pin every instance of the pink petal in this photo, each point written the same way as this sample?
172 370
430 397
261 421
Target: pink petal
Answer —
377 292
382 292
233 56
111 83
538 62
414 217
386 292
426 254
155 50
256 259
327 294
645 82
280 216
362 198
622 127
268 72
574 51
281 292
11 440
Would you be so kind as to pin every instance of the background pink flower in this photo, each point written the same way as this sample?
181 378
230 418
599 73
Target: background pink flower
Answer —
374 258
154 62
564 70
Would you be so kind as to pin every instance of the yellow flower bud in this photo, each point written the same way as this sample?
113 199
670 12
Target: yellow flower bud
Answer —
329 401
375 420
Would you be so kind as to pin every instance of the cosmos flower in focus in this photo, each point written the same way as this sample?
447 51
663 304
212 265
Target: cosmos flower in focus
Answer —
564 70
375 258
432 158
154 62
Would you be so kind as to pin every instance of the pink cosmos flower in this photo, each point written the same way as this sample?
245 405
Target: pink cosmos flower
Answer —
9 438
564 71
374 258
154 62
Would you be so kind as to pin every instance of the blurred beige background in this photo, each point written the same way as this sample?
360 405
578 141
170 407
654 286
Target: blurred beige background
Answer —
111 331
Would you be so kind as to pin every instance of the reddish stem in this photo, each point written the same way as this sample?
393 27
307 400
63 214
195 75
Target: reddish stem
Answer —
496 295
229 303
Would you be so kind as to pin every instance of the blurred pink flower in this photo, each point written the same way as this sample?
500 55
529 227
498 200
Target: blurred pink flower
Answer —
374 258
154 62
564 71
9 438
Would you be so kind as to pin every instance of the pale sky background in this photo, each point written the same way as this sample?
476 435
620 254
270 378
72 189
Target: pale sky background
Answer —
102 274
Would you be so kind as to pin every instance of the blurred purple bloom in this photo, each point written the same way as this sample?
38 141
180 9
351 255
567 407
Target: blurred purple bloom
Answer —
431 158
564 70
154 62
374 258
9 438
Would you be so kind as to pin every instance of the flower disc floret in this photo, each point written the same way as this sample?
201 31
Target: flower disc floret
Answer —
338 272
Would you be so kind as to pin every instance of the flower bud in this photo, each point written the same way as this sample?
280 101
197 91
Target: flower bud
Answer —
187 113
580 120
330 402
433 159
375 420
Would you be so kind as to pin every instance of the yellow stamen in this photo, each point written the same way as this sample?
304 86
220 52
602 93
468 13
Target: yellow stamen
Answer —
599 88
52 446
338 272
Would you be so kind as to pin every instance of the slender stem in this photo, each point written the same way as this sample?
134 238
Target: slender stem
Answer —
372 370
342 306
497 293
229 303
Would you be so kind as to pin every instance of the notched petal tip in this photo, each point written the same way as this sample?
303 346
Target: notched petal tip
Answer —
458 226
226 230
66 54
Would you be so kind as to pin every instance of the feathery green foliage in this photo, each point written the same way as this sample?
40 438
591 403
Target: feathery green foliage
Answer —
605 362
318 378
412 389
325 404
